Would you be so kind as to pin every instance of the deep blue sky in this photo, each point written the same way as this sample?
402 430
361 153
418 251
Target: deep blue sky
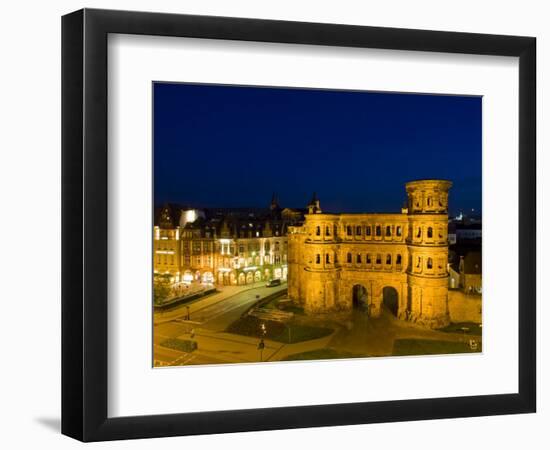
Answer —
229 146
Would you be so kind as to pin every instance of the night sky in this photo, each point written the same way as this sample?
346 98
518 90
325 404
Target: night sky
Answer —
231 146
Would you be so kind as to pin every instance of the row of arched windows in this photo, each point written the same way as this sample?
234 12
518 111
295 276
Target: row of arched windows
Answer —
430 233
360 230
362 258
376 230
430 264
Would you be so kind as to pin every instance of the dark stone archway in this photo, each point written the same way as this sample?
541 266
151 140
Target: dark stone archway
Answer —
391 299
359 296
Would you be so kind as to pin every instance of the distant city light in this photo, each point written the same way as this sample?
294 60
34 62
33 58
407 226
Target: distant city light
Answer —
190 216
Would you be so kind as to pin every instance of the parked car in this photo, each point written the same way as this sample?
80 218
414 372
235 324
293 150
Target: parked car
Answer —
273 283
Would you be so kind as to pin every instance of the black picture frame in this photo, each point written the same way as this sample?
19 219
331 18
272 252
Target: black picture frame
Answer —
84 224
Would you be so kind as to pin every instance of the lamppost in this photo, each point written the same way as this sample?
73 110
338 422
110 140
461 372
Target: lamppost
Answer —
464 329
261 345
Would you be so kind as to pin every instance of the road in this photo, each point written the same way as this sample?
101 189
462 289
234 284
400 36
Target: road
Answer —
217 311
208 318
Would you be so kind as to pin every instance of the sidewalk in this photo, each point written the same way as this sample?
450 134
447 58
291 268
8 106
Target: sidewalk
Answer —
236 348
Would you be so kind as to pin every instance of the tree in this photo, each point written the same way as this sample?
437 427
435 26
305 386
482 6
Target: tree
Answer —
162 287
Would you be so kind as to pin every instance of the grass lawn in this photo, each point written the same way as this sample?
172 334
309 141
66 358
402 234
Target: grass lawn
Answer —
323 353
473 328
283 306
180 345
276 331
405 347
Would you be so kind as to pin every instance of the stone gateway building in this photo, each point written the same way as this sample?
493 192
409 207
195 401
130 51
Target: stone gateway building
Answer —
343 261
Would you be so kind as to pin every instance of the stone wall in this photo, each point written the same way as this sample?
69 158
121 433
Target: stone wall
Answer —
464 308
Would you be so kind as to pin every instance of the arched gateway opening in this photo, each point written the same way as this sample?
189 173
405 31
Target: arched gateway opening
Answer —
359 296
390 299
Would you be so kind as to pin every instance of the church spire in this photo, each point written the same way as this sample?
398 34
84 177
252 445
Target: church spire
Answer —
314 206
274 202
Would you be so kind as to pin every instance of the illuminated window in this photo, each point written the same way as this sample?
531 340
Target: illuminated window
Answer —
398 231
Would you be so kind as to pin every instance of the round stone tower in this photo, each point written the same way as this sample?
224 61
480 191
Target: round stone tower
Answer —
428 252
320 256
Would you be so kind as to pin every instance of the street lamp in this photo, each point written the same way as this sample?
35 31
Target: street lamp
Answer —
261 345
464 329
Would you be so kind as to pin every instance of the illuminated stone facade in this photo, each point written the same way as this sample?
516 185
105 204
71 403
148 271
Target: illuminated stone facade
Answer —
229 247
341 261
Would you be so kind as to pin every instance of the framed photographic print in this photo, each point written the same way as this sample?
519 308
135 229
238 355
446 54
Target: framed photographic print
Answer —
273 224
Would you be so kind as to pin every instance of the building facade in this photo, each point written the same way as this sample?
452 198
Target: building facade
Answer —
222 247
344 261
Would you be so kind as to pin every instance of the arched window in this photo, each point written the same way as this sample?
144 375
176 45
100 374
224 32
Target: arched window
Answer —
349 258
358 231
367 230
419 262
430 232
378 259
318 259
358 258
349 232
369 259
327 231
429 264
419 232
327 258
388 259
398 260
398 231
378 230
318 231
429 201
388 231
